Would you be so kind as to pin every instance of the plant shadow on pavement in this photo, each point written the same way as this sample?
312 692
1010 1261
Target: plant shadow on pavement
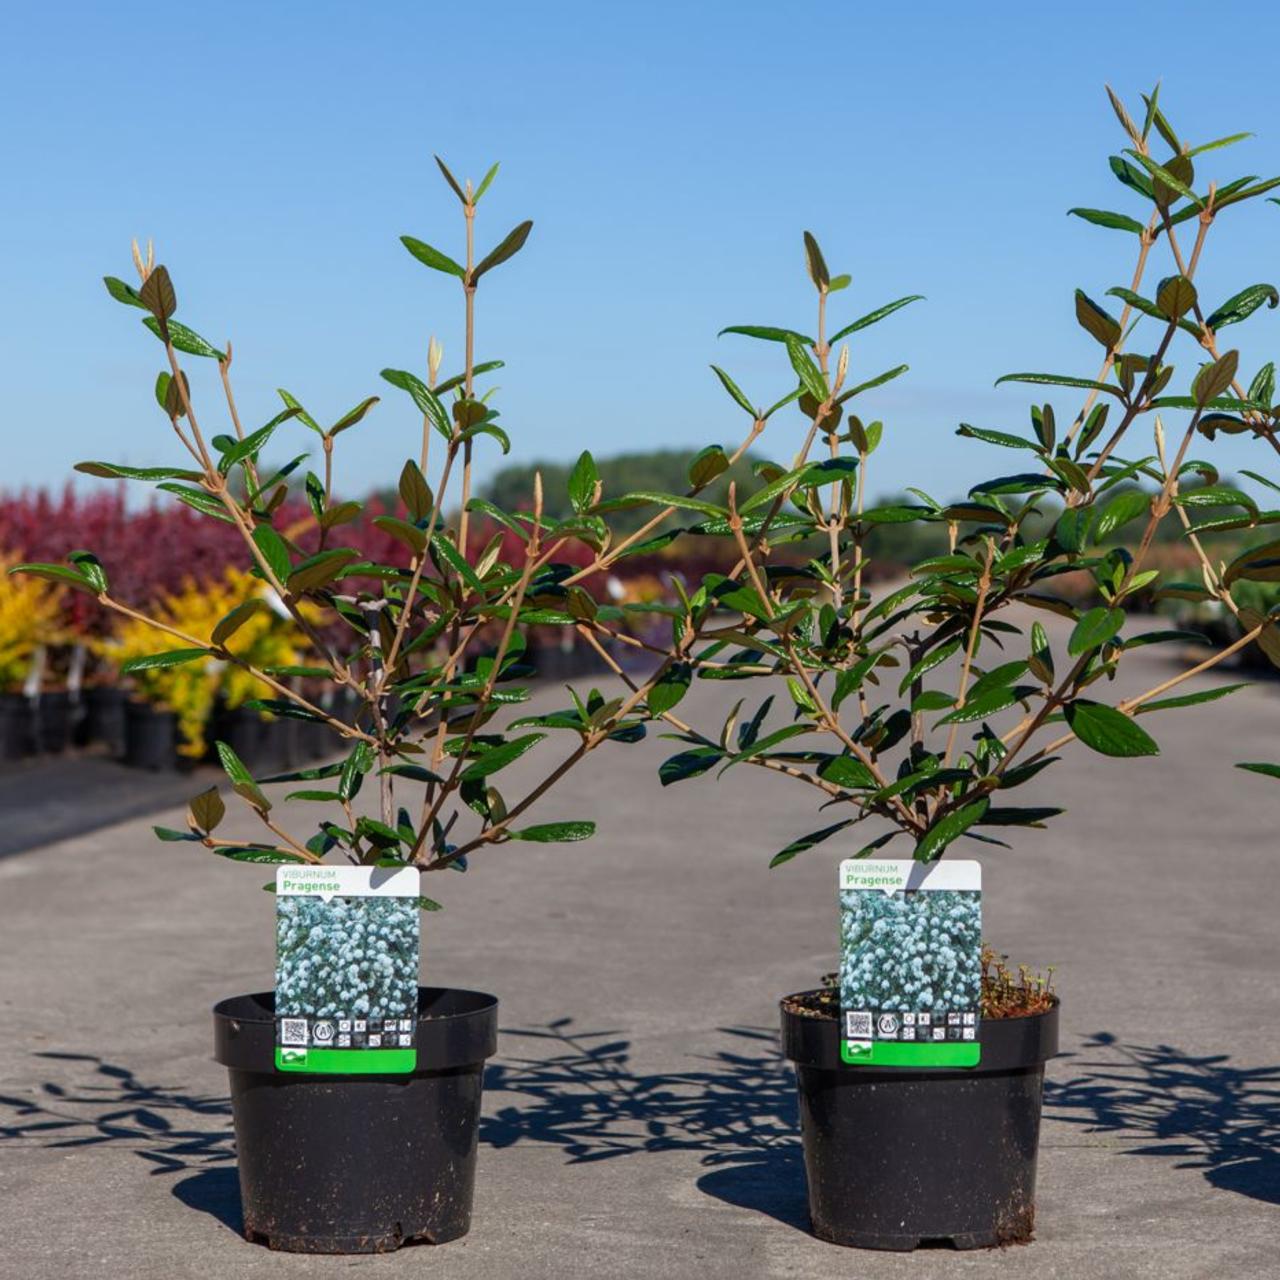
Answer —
736 1109
174 1130
1219 1118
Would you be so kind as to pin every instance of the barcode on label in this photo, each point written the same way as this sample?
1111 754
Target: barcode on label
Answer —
293 1031
857 1025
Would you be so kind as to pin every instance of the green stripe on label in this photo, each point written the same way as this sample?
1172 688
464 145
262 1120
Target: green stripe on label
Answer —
891 1053
347 1062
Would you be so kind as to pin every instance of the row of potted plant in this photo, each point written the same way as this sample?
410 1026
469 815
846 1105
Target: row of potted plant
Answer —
918 709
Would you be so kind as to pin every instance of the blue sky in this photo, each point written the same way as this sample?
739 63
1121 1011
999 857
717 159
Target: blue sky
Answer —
670 156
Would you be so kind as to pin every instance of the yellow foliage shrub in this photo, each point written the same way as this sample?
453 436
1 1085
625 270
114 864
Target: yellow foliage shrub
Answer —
30 616
191 689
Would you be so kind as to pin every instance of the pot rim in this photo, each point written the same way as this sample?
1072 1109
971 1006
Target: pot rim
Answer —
1023 1043
244 1033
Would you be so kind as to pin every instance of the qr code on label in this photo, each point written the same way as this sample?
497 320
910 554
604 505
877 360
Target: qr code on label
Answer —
857 1026
293 1031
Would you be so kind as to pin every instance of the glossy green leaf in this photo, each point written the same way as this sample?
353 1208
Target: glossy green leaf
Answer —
1108 731
433 257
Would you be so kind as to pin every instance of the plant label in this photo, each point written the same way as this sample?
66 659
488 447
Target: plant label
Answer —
910 962
346 969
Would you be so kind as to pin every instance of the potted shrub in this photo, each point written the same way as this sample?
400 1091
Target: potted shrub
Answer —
421 648
920 709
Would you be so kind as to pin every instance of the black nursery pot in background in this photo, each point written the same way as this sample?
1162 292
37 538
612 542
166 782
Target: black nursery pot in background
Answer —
104 718
151 737
896 1158
17 727
54 714
363 1163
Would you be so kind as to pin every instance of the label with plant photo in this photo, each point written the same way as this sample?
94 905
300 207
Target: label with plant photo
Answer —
910 963
346 969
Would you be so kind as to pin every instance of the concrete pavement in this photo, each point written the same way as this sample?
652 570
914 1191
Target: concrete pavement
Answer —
637 1120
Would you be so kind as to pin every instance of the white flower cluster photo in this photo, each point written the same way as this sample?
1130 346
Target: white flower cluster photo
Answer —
342 957
916 951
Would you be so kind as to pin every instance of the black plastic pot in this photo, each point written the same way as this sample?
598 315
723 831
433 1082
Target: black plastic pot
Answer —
896 1158
358 1164
104 719
16 726
53 715
150 737
256 739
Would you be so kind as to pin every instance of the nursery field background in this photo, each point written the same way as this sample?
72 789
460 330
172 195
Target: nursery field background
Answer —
638 1104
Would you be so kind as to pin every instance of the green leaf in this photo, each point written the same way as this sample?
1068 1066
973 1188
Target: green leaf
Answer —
1175 296
809 374
157 294
451 180
184 339
1214 379
114 471
1026 817
1108 731
846 771
409 534
207 809
299 412
941 834
415 492
352 416
319 570
58 573
91 567
511 244
1244 304
499 757
688 764
1002 438
1094 629
446 551
1096 321
485 182
358 762
1174 176
979 708
1190 699
1104 218
679 501
161 661
767 333
122 292
256 853
734 390
426 400
433 257
816 263
878 381
1257 564
273 549
1060 380
555 832
242 782
670 689
797 847
1267 770
873 317
173 837
582 482
1119 511
707 464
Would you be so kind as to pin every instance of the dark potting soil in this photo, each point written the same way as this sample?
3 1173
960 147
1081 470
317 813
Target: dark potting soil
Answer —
824 1002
